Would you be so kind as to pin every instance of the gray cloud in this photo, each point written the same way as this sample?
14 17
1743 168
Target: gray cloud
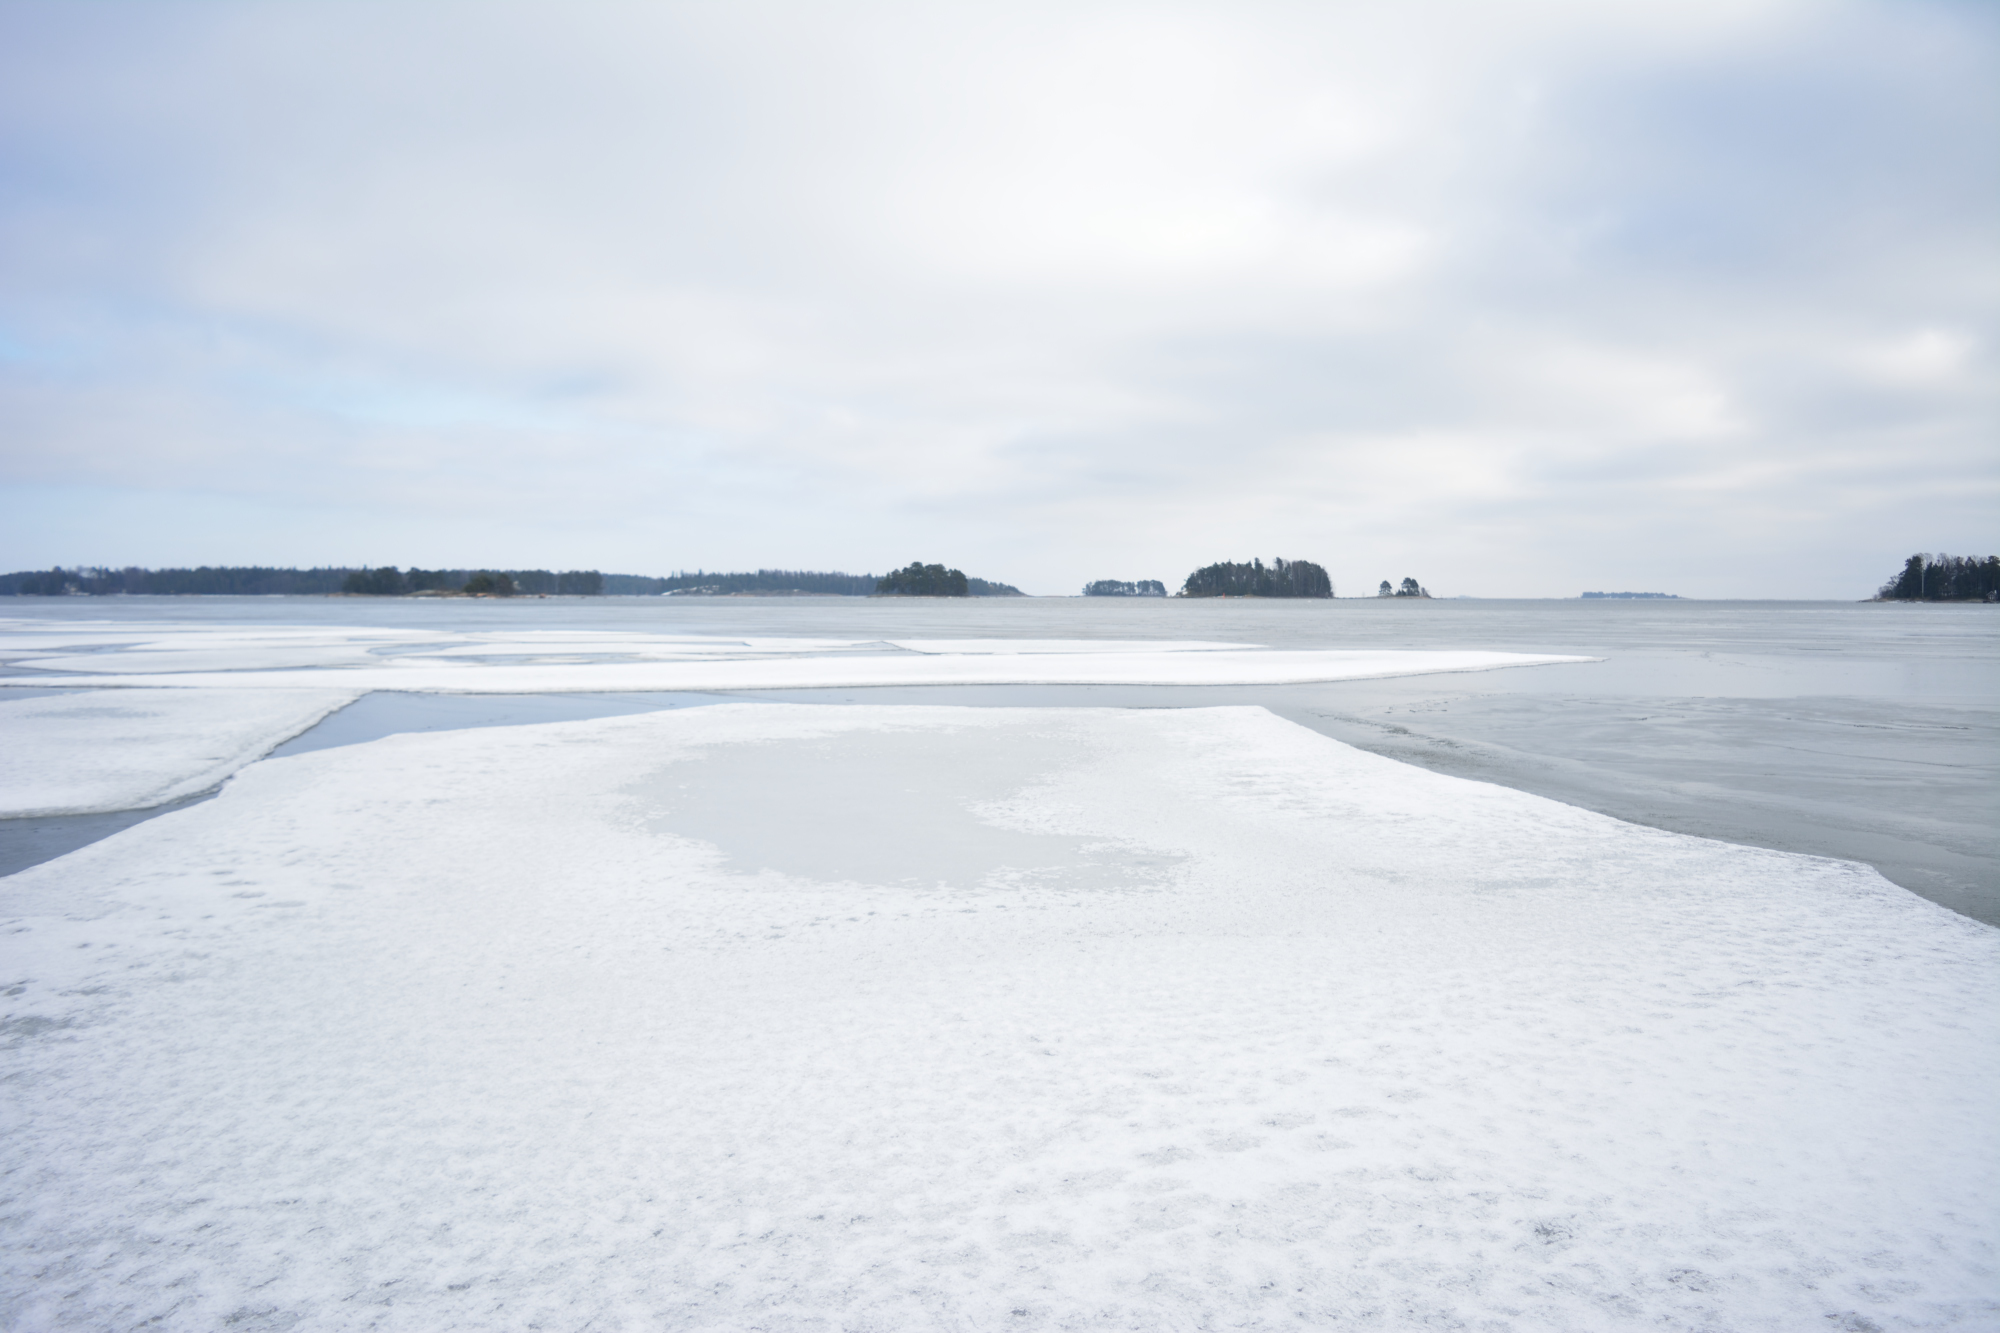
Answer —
1516 298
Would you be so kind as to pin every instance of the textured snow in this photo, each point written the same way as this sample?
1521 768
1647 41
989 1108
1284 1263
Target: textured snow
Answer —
147 648
1063 645
782 1018
102 750
856 670
552 661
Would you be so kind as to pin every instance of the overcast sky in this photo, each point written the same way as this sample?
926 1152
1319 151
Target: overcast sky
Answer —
1516 298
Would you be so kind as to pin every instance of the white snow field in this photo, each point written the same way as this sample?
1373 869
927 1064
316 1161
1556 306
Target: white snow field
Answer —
102 750
238 657
885 1018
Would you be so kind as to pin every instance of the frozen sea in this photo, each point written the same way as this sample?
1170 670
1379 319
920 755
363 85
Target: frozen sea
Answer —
815 965
1868 732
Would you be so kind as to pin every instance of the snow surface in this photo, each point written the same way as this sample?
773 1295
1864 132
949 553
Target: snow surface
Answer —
594 661
1064 645
101 750
851 671
169 646
793 1018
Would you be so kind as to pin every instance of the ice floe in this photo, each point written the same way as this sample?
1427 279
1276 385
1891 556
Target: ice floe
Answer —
848 670
790 1018
1064 645
105 647
101 750
529 662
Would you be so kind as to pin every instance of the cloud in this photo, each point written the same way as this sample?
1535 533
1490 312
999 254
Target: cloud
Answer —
1042 290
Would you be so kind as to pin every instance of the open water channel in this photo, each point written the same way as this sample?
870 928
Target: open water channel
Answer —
1868 732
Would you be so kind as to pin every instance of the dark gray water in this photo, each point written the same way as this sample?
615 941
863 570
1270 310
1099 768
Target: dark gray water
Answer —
31 841
1869 732
374 716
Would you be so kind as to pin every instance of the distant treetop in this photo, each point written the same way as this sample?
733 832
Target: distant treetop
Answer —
1944 578
921 580
1119 588
769 581
1282 578
260 581
389 581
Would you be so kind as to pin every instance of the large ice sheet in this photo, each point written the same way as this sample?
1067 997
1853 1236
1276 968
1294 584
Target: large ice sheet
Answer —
102 750
886 1018
541 661
854 671
169 646
1064 645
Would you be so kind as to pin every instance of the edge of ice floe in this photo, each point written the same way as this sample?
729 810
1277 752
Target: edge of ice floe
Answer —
208 779
1240 668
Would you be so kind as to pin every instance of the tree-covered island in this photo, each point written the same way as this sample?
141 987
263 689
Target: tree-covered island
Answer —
1281 578
921 580
1944 578
1120 588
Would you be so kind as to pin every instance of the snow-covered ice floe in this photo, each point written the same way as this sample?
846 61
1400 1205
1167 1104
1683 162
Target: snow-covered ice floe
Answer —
102 750
837 671
790 1018
108 654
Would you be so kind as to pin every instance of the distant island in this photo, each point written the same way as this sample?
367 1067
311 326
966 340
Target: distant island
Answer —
1637 596
921 580
1410 588
1282 578
1944 578
1120 588
389 581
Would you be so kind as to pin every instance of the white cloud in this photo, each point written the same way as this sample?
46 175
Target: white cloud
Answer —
1928 356
1035 290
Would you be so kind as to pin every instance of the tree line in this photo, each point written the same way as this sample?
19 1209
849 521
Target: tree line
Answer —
389 581
821 582
762 580
1944 578
1120 588
236 581
1281 578
264 581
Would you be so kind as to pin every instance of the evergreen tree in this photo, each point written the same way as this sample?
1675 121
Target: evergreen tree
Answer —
384 582
762 580
1283 578
921 580
1120 588
1945 578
